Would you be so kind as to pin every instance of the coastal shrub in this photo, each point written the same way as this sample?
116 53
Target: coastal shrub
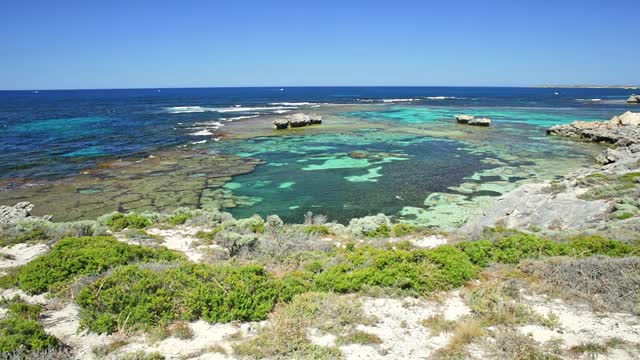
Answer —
382 231
402 229
479 252
597 245
513 249
208 236
135 296
84 256
317 229
288 240
38 230
21 330
417 271
369 225
178 219
119 221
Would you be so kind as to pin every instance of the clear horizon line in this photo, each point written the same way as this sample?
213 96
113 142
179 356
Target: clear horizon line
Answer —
331 86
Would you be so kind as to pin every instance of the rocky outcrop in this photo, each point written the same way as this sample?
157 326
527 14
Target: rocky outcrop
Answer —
472 120
297 120
634 99
622 130
16 213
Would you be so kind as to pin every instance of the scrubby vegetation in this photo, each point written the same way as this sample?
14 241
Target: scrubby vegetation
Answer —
119 221
143 296
72 257
20 329
37 230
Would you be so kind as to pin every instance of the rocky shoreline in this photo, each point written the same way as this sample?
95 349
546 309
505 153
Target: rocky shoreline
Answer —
603 198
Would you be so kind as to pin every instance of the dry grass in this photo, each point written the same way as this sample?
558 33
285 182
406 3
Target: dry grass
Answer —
607 284
181 330
438 324
511 344
464 333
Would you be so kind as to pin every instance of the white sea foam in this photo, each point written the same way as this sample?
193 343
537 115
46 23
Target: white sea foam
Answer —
440 97
205 132
239 118
303 103
397 100
199 142
281 111
589 100
236 108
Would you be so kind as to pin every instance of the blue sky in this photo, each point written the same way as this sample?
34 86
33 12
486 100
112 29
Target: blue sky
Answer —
119 44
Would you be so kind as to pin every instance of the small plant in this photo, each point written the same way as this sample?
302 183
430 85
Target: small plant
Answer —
181 330
119 221
438 324
317 229
403 229
21 330
361 337
178 219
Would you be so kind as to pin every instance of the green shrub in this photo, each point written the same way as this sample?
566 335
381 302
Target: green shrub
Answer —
178 219
84 256
382 231
317 229
21 330
403 229
597 245
416 271
479 252
512 249
209 236
141 297
119 221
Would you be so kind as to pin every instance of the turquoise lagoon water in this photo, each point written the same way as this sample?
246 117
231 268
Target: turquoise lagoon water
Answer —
437 181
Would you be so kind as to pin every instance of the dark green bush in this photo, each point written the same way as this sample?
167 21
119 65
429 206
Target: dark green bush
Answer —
209 235
84 256
417 271
21 330
119 221
383 231
178 219
597 245
143 297
512 249
403 229
479 252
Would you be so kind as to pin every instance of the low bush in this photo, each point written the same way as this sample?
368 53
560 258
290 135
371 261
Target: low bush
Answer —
119 221
84 256
38 230
403 229
596 245
513 249
317 229
178 219
370 225
417 271
140 297
21 330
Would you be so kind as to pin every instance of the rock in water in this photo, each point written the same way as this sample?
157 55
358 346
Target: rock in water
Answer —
480 122
16 213
634 99
280 124
315 119
622 130
464 119
299 120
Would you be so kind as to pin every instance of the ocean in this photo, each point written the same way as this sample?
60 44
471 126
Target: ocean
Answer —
398 151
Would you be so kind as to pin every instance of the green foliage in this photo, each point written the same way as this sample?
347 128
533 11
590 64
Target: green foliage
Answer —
518 247
403 229
20 329
417 271
208 236
597 245
479 252
317 229
178 219
138 297
119 221
382 231
84 256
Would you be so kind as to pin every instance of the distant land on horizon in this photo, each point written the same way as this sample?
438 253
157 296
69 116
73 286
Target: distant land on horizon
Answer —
590 86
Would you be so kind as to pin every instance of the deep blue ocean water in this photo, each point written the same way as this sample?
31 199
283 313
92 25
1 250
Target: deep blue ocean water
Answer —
51 134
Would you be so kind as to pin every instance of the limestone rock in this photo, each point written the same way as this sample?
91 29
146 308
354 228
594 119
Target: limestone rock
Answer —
480 122
634 99
16 213
464 119
299 120
315 119
621 130
280 124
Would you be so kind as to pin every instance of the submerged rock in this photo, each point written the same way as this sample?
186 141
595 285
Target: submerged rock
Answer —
299 120
634 99
17 212
622 130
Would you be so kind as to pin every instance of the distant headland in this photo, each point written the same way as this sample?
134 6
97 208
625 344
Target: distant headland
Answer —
629 87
